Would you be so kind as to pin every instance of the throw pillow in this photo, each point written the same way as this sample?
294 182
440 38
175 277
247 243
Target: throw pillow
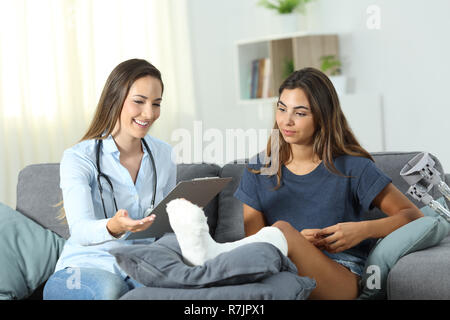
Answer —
280 286
161 265
417 235
28 254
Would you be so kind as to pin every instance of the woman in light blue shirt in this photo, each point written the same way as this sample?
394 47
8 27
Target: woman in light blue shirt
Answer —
129 104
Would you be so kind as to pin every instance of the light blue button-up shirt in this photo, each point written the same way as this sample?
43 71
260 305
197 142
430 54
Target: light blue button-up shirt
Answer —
89 240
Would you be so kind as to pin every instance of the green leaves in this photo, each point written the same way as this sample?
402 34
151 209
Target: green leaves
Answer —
288 68
331 63
284 6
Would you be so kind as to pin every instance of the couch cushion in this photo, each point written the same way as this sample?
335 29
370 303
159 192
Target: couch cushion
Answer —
38 193
199 170
230 224
280 286
417 235
161 265
422 275
28 254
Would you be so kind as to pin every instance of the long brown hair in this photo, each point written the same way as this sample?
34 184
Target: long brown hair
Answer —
333 136
114 94
112 99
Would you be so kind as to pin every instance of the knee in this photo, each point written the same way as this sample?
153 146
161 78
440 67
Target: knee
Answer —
284 226
103 285
290 233
112 290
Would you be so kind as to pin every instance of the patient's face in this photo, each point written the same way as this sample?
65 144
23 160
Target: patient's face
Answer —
141 107
294 117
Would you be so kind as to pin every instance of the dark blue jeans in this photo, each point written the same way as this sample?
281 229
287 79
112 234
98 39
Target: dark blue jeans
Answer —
87 284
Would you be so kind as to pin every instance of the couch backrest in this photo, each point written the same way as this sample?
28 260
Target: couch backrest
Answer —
230 218
191 171
38 192
392 163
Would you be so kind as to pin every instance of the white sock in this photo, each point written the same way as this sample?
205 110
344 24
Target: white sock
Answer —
188 221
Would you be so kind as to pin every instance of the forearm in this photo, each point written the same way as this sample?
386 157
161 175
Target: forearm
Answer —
90 232
380 228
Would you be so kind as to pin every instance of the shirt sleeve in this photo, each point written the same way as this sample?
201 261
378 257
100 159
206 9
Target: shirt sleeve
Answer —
247 191
371 182
76 173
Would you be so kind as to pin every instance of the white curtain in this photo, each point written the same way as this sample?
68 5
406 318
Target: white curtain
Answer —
55 56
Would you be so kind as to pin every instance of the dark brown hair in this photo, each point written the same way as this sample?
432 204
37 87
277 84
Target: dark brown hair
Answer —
114 94
112 99
332 136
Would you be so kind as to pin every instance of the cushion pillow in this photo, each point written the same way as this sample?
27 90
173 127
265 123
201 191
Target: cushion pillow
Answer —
417 235
280 286
28 254
161 265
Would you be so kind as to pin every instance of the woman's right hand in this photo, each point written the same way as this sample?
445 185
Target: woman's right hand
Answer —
121 223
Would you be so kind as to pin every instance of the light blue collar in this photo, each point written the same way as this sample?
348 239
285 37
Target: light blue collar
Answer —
109 146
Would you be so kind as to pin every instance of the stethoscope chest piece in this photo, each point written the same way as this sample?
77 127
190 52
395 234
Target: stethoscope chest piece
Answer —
148 211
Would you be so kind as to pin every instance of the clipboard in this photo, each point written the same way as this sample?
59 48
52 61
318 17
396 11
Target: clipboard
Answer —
199 191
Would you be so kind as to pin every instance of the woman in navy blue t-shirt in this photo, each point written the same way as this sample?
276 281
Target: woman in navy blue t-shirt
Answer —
322 183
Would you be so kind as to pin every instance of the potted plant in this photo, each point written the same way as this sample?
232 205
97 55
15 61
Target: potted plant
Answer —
288 11
285 6
288 68
331 65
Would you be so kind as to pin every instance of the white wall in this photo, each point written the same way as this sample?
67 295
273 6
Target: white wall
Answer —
405 61
215 27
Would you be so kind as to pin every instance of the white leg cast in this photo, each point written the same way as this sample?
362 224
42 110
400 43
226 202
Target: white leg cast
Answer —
188 221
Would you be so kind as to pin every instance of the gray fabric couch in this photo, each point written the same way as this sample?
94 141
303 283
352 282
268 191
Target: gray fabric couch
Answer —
420 275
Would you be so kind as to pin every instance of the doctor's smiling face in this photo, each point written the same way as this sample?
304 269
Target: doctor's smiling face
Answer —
140 109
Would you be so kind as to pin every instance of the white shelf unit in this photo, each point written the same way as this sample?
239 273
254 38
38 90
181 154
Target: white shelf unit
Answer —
304 49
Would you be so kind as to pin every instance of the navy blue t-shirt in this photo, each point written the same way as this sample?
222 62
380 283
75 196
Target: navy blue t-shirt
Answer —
318 199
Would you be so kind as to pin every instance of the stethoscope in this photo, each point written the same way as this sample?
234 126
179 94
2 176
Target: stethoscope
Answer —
104 176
